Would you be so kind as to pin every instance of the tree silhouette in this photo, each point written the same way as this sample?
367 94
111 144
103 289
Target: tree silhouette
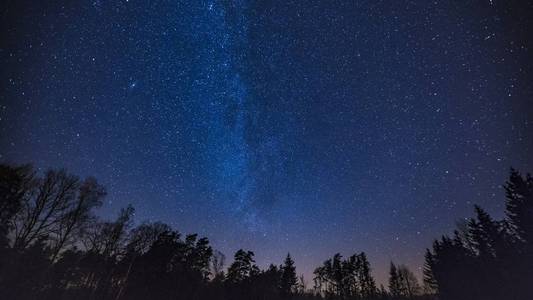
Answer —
366 281
490 259
76 219
430 284
48 203
243 267
394 282
519 212
288 277
519 205
345 279
53 246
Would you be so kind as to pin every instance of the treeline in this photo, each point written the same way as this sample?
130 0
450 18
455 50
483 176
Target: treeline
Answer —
52 246
487 258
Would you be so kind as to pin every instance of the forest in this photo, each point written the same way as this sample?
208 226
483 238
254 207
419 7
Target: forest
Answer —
53 246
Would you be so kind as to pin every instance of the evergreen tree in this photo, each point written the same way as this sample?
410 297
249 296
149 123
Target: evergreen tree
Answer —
519 212
430 284
490 259
519 205
394 282
288 277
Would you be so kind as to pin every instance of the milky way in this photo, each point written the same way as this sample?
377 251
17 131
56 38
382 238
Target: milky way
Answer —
237 159
219 105
283 126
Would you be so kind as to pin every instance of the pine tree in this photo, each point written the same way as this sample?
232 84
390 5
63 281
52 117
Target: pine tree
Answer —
519 211
430 284
394 282
519 205
485 235
288 276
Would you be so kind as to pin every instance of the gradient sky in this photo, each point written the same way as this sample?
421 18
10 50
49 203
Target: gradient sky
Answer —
277 126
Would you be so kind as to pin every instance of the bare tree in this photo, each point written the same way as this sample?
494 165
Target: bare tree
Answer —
76 219
143 236
47 205
109 238
57 208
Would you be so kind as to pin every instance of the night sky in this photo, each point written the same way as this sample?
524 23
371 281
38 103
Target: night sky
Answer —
288 126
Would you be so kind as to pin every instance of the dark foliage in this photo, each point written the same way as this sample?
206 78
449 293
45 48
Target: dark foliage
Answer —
53 247
346 279
488 259
288 281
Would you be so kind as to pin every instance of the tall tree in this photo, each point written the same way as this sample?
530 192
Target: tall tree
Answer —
519 205
76 220
366 281
430 284
46 208
519 212
288 277
394 282
488 259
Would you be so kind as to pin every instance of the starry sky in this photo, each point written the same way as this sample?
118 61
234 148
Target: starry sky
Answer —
309 127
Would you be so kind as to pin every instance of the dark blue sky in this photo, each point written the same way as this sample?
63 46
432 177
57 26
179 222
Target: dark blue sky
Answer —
277 126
